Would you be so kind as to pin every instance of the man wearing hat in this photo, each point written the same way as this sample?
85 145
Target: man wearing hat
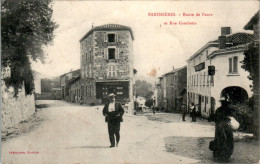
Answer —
113 113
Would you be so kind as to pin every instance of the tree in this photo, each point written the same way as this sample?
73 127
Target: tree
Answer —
46 85
142 88
26 27
251 64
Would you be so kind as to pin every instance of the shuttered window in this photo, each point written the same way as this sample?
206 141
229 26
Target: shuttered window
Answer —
233 65
230 65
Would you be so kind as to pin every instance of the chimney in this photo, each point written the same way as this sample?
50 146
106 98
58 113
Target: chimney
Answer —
172 67
222 42
225 31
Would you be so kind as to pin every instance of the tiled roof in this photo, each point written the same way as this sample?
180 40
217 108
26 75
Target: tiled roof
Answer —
236 39
108 27
238 47
240 38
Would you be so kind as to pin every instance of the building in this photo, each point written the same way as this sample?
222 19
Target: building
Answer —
66 81
106 64
229 81
176 88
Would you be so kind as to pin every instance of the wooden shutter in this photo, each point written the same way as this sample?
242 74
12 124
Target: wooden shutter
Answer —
105 53
230 65
117 53
235 64
116 37
105 37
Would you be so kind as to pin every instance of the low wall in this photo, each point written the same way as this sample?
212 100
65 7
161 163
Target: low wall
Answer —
15 110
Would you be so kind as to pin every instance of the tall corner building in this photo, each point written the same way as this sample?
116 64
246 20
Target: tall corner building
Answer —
106 64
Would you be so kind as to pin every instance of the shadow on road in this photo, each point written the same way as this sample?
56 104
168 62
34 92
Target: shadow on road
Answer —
89 147
198 148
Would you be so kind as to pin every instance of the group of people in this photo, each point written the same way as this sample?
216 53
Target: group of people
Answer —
222 145
193 111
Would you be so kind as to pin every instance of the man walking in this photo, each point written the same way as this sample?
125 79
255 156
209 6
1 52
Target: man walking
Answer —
113 113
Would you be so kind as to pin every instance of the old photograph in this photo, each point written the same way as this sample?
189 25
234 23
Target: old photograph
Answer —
138 82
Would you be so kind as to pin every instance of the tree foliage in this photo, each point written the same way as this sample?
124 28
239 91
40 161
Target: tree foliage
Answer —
27 26
46 85
142 88
251 64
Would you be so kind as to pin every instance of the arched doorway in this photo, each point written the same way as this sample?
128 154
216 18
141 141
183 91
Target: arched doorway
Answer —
236 95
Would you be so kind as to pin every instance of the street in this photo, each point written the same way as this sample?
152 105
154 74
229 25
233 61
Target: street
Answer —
70 133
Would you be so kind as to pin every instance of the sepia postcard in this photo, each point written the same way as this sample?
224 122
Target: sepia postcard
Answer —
138 82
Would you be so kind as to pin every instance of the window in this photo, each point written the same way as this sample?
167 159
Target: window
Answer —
206 99
111 37
111 71
119 93
233 62
202 98
111 53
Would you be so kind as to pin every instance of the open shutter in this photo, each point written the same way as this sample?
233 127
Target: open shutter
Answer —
105 37
105 53
117 53
230 65
116 35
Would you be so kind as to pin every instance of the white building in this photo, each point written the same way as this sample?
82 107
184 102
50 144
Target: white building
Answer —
230 80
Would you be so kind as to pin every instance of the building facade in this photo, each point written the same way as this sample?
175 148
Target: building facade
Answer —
106 64
229 81
66 82
176 88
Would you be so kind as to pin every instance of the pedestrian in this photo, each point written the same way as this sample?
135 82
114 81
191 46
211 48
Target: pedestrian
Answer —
113 113
183 111
223 143
193 112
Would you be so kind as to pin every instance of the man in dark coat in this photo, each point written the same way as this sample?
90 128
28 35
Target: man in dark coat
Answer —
183 111
113 113
223 141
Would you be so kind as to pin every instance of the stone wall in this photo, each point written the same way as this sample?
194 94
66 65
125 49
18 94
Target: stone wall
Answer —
15 110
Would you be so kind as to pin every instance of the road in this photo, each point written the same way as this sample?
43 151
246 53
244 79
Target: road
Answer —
71 133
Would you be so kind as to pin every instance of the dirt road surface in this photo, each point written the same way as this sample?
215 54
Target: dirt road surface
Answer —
74 134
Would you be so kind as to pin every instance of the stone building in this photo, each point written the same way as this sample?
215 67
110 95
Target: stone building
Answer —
175 88
229 81
161 93
106 63
66 82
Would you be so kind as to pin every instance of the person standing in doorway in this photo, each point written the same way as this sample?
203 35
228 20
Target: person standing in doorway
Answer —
113 113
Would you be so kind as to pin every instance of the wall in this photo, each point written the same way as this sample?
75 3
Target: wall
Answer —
222 66
15 110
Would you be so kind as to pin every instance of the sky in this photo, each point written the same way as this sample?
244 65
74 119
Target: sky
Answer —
157 47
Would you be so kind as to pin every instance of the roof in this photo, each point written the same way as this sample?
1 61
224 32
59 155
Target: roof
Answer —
240 38
235 39
254 20
209 44
240 47
175 70
76 71
108 27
